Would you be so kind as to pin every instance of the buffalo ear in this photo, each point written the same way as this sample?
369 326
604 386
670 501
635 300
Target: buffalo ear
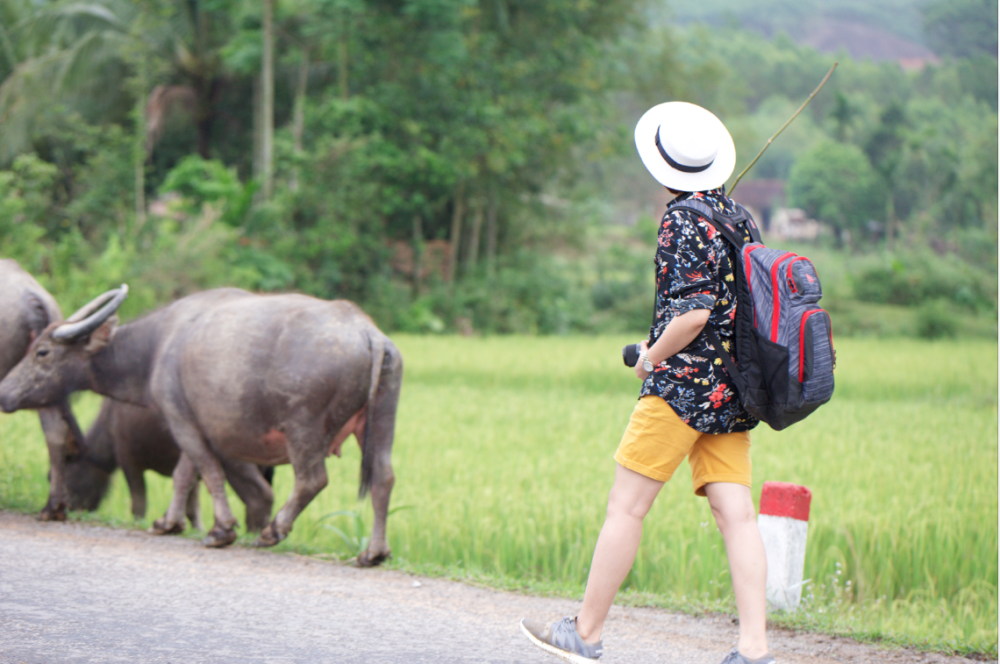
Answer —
38 317
100 337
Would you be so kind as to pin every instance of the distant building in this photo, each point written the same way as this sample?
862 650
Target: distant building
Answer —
793 224
762 198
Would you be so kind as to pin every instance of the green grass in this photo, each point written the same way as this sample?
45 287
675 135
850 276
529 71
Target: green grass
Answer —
503 460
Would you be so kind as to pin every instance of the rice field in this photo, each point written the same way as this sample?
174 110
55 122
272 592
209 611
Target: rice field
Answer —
503 460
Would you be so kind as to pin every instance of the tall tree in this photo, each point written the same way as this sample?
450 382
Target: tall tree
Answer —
55 55
267 93
884 149
843 114
81 50
835 184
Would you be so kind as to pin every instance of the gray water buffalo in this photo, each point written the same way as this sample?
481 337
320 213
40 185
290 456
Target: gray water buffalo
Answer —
269 379
137 439
26 309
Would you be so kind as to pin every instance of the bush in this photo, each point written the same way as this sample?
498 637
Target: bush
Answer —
24 205
200 181
530 295
936 320
977 246
420 319
914 279
622 294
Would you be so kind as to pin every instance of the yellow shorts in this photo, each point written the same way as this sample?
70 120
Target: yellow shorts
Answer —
657 440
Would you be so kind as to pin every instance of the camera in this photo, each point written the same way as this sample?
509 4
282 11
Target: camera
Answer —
630 354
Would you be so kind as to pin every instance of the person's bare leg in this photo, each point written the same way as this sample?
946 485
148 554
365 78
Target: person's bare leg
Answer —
630 498
732 506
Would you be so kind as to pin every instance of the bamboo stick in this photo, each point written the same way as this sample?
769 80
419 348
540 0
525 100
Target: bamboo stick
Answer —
770 140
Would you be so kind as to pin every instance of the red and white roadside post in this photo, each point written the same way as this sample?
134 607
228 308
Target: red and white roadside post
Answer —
783 521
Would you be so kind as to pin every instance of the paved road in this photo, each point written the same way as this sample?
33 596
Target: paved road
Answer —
74 593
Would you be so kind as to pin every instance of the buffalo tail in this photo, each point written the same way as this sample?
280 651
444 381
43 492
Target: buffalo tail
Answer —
377 344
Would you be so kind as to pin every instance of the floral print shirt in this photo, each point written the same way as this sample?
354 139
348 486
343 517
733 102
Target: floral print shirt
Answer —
694 270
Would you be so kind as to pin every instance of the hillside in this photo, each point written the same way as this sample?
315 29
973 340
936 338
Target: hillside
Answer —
890 30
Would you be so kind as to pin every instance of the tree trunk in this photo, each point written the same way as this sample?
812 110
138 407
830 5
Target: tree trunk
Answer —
258 133
204 124
472 255
491 228
203 82
139 148
299 114
267 85
418 253
890 221
456 230
342 56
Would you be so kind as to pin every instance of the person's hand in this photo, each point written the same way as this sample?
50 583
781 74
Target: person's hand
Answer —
641 373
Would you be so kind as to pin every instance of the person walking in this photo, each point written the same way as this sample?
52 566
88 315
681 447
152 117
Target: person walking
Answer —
688 405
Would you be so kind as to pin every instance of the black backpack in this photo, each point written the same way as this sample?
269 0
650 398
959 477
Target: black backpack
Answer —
783 338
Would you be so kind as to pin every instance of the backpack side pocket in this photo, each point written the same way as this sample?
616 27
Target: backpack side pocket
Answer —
816 357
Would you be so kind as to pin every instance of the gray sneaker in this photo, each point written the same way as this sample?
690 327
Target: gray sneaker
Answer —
735 657
562 640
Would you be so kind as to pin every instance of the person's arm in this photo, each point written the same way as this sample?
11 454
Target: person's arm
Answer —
680 332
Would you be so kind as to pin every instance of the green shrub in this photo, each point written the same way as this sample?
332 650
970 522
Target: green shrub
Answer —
977 246
531 294
936 320
419 318
24 204
852 318
912 279
200 181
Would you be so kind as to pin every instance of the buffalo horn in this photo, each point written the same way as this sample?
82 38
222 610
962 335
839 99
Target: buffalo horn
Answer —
92 306
91 316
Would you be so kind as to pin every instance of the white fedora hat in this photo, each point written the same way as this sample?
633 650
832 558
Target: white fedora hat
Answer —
685 147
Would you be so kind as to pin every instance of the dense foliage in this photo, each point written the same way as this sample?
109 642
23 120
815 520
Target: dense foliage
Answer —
458 164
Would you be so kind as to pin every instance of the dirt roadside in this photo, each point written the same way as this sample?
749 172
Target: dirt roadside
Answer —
84 593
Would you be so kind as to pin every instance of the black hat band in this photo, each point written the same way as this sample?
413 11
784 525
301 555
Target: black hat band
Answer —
677 165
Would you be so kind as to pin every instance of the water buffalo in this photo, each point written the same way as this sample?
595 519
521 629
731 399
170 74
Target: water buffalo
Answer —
137 439
269 379
26 309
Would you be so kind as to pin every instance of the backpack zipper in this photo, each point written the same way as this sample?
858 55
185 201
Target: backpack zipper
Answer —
791 277
776 313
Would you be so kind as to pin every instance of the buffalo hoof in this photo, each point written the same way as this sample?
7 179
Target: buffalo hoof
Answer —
367 559
219 537
268 537
160 527
49 513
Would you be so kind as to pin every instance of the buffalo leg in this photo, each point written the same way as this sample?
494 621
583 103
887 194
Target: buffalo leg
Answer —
185 477
193 445
136 489
192 508
60 443
249 484
308 464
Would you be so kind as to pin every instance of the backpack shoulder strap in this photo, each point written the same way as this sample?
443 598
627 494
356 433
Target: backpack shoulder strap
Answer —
723 222
741 216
